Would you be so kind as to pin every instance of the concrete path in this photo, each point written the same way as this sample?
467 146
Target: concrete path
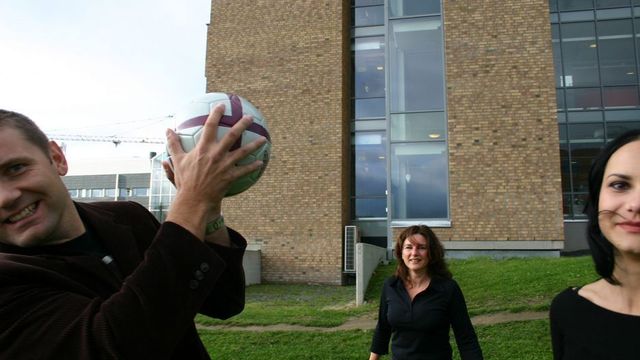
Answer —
369 323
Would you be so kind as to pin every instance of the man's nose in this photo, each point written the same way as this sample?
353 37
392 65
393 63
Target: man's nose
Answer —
8 196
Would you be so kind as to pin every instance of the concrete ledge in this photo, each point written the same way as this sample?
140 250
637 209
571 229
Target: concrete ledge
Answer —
527 245
367 259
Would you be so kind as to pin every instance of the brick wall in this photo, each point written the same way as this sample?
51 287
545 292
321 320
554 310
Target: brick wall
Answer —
503 137
290 58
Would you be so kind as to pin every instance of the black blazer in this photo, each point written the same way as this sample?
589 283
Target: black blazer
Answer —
57 303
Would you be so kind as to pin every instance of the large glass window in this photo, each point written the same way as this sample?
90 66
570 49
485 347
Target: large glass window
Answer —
370 174
596 67
369 67
615 47
419 181
579 54
410 135
416 61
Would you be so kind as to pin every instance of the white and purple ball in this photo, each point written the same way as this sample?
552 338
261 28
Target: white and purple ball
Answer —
193 116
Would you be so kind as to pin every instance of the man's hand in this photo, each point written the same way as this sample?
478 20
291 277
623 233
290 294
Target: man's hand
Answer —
203 175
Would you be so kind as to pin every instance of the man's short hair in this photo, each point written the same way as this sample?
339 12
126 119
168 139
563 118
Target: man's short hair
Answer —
26 126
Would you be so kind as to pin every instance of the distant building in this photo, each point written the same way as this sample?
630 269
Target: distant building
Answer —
109 187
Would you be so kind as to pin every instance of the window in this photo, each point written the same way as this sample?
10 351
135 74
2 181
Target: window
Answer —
140 191
74 193
97 193
596 65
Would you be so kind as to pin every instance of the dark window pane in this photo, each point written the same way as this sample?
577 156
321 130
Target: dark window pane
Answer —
369 108
586 132
615 46
373 207
566 205
566 5
553 5
622 115
413 7
560 99
370 164
579 200
582 155
557 55
417 70
579 55
565 167
616 129
585 116
419 182
588 98
620 96
611 3
368 16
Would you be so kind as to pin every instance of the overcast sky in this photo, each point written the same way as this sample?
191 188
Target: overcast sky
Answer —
96 67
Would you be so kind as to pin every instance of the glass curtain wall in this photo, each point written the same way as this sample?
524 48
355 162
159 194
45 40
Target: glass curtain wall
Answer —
399 135
595 51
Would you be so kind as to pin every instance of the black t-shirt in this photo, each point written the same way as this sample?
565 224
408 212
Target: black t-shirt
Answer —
582 330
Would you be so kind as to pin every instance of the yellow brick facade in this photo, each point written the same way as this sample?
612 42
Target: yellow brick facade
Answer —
292 60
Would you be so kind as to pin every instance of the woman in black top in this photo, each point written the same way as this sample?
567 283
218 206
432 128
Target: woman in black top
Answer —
601 320
420 303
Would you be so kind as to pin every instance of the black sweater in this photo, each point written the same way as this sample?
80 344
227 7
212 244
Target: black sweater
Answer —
420 327
583 330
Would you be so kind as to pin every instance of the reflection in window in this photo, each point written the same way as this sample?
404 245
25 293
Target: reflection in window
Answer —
369 108
370 174
418 127
416 61
413 7
579 55
615 48
419 180
620 96
369 67
368 16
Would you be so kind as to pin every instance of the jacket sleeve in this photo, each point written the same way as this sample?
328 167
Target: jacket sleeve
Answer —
382 333
227 298
465 335
50 312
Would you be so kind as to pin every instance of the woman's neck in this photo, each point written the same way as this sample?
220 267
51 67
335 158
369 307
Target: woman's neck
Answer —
418 278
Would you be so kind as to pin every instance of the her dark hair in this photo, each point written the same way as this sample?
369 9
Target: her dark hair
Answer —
436 264
29 130
601 249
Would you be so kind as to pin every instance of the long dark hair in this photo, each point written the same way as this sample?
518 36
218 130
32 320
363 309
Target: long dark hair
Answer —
602 250
436 264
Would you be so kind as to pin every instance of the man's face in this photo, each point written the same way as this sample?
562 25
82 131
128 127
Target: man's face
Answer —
35 208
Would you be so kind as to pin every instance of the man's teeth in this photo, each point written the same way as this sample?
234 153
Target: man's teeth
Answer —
23 214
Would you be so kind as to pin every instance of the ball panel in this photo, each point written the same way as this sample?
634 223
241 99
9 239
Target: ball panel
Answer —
195 115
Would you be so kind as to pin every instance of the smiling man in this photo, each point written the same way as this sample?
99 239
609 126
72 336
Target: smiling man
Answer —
106 280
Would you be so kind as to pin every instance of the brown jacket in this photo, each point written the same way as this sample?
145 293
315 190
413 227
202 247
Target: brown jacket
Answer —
61 304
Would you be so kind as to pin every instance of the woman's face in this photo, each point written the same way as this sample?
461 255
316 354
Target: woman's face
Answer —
619 202
415 253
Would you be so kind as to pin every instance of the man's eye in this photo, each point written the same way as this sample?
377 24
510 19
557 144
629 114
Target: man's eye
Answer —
16 168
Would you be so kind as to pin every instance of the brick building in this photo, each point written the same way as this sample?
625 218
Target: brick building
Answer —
387 113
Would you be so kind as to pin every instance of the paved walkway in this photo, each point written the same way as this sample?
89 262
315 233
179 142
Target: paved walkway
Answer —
368 323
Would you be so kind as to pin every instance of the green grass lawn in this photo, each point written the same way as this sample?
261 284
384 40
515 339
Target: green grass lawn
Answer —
489 286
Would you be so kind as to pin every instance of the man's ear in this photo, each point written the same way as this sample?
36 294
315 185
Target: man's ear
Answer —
58 159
